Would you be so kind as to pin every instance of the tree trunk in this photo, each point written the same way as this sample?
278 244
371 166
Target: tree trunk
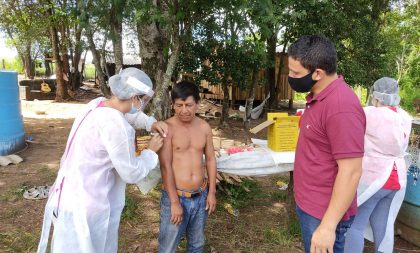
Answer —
291 100
291 204
250 104
28 63
161 103
225 108
283 85
47 66
64 48
233 100
75 75
116 36
61 93
152 42
25 55
118 52
66 67
97 62
271 71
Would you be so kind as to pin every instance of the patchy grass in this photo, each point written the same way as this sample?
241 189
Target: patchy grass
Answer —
18 241
278 195
283 236
256 227
15 193
47 173
10 214
130 209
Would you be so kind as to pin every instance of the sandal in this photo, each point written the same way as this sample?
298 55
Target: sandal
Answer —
37 192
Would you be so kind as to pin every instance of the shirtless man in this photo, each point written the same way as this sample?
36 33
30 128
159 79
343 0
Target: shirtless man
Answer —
189 196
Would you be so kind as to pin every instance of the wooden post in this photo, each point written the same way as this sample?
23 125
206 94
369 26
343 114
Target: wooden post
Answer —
291 204
3 63
233 101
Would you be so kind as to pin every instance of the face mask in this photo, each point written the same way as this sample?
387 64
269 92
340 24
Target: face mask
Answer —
135 109
302 84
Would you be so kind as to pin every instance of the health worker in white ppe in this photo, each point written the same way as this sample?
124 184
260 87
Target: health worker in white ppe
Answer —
88 196
384 173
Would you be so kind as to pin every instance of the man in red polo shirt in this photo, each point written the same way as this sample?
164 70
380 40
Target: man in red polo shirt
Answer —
330 146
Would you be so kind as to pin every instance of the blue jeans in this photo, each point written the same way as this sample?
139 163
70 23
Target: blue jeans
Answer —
193 223
308 224
374 211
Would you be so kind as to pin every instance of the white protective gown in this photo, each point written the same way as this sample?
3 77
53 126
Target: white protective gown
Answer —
386 142
88 196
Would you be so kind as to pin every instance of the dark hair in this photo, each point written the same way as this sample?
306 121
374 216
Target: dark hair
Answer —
184 89
314 51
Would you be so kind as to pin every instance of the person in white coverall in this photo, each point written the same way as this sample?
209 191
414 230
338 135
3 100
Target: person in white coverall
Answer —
88 196
384 173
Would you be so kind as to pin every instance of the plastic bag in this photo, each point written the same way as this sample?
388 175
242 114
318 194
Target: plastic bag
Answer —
150 181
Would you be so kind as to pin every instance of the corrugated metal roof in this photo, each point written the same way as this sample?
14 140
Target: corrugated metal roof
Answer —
127 59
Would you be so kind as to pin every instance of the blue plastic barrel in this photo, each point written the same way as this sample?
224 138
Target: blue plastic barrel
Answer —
12 134
408 220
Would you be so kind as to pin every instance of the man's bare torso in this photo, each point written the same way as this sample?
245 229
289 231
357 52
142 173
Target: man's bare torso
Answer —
188 143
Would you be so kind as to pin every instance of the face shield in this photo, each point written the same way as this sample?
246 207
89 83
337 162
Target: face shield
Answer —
145 92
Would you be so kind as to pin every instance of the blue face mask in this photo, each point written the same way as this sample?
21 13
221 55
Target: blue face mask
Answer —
133 109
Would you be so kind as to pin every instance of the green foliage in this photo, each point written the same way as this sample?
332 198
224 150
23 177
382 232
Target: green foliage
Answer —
240 195
130 208
298 96
147 12
24 24
401 31
223 48
22 20
363 98
410 81
89 71
224 41
409 93
354 28
39 72
13 64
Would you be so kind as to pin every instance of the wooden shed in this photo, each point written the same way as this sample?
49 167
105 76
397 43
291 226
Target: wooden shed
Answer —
283 90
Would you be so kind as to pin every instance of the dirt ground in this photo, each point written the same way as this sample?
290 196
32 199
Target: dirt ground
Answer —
259 227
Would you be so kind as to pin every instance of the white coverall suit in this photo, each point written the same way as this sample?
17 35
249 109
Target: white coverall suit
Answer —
88 196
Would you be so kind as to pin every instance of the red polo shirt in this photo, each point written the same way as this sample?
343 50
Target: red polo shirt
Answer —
331 128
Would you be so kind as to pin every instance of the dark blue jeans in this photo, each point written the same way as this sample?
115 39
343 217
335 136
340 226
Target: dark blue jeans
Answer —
193 223
308 224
